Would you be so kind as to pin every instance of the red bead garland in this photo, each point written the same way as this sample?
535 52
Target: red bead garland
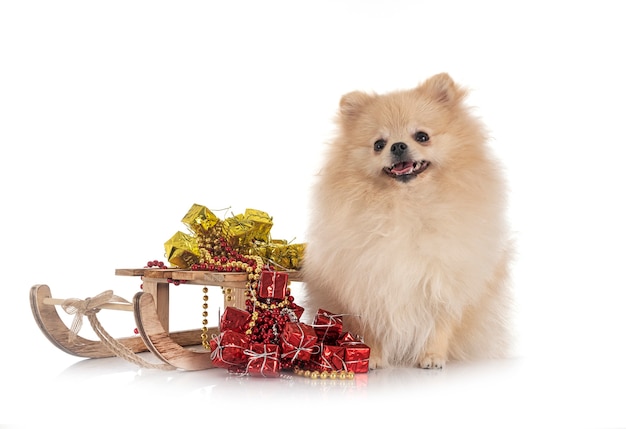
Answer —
156 264
161 265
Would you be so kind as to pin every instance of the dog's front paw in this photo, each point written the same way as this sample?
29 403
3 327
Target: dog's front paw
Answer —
431 361
375 364
375 361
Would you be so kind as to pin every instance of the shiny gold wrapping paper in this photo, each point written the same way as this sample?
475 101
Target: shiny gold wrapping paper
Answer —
182 250
249 233
199 219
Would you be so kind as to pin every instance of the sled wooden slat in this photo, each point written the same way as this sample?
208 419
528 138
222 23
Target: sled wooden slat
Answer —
130 271
118 306
212 278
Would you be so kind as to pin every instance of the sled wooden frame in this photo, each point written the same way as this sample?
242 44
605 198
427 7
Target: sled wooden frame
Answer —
151 310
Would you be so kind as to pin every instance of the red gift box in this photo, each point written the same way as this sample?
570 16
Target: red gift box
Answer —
357 356
235 319
263 360
298 341
293 312
297 309
328 326
272 284
330 358
227 349
347 337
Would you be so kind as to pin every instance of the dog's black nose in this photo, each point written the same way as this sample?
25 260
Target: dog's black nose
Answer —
398 148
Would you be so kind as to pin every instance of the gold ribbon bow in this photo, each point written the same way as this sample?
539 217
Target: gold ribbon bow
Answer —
87 307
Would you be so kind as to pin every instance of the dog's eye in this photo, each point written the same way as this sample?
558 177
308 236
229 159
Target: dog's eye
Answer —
421 137
379 145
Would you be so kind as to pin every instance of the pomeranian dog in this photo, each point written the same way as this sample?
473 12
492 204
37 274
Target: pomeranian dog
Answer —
408 237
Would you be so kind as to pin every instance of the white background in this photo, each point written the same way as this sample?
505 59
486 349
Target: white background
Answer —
117 116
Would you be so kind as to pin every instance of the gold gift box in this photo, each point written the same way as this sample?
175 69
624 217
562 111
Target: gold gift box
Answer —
182 250
200 219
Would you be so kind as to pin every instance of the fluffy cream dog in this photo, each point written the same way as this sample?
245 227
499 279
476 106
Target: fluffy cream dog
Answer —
408 235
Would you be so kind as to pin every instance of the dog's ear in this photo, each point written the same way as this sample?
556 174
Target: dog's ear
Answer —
352 103
442 89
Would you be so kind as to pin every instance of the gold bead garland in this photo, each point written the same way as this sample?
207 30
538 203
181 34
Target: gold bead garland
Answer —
205 314
323 375
253 277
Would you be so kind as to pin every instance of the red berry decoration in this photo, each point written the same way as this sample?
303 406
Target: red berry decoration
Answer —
156 264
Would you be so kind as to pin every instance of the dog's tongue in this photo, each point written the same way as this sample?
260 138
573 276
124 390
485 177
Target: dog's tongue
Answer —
402 168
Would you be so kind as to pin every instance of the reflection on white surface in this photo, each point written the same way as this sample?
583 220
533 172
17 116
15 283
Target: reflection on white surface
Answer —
519 392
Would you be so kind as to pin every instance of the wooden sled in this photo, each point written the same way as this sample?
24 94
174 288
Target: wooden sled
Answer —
151 311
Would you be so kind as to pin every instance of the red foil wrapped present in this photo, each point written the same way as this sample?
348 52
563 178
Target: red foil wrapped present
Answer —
235 319
330 358
298 311
293 312
298 341
357 356
347 337
272 284
227 349
263 360
328 326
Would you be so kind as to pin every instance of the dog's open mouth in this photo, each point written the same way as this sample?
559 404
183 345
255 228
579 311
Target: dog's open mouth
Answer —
406 169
